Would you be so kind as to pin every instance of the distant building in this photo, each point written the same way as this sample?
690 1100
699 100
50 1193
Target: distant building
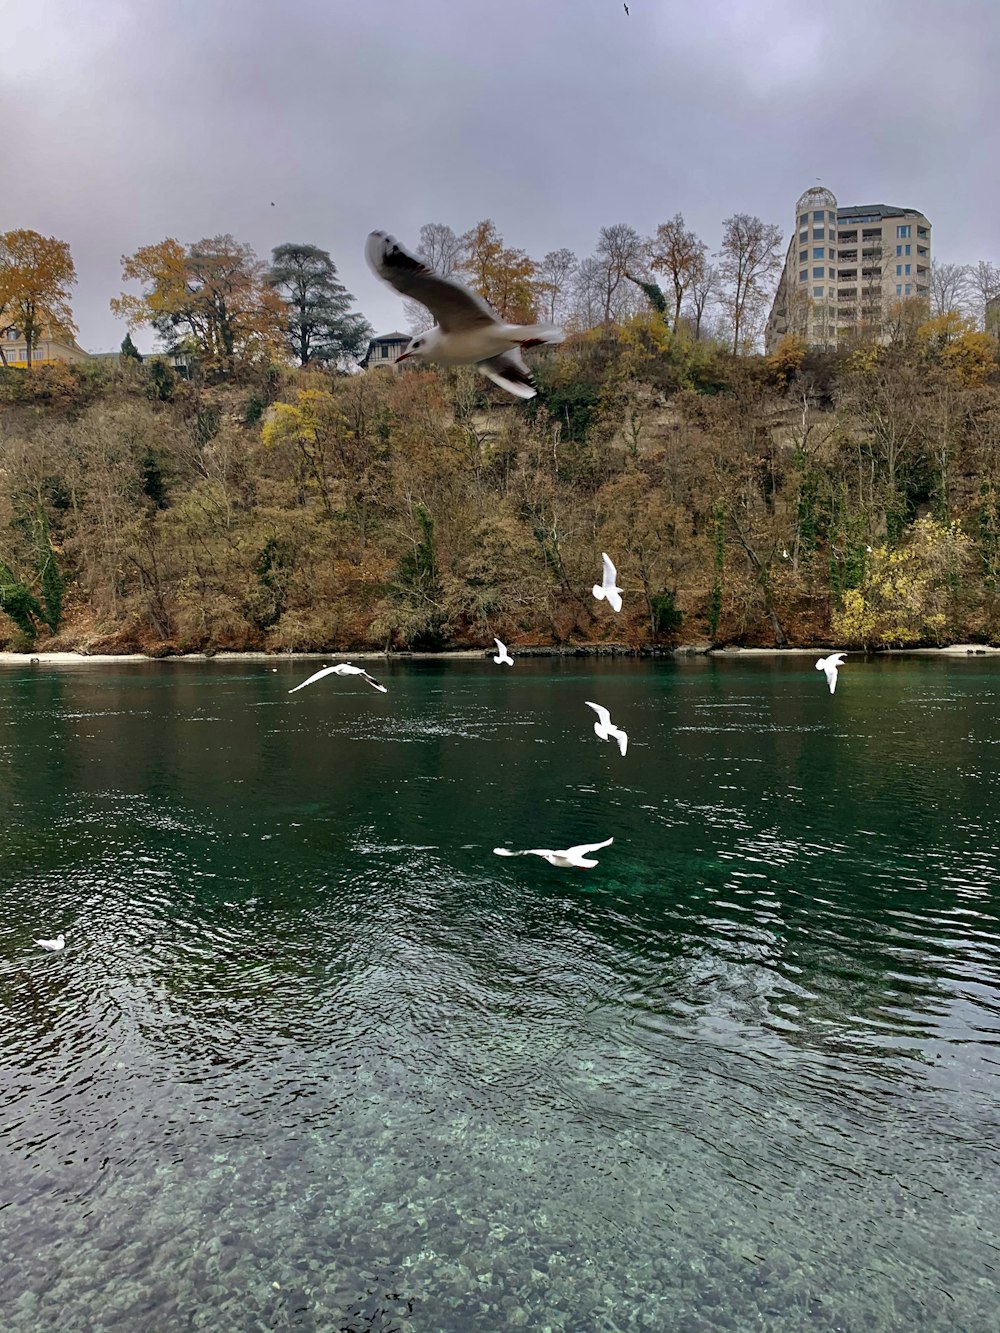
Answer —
993 316
47 350
385 349
845 267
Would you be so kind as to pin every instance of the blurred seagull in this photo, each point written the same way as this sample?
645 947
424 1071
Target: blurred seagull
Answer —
606 729
468 330
55 945
830 665
572 856
503 656
342 669
606 588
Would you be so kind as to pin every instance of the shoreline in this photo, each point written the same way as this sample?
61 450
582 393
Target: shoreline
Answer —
43 658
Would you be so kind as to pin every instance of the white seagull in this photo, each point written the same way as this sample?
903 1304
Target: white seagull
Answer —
503 657
830 665
606 588
55 945
342 669
468 330
572 856
606 729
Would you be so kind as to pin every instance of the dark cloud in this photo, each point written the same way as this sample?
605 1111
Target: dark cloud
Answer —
126 123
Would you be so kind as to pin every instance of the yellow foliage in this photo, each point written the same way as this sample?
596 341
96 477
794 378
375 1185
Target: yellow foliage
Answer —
958 347
36 273
786 360
908 594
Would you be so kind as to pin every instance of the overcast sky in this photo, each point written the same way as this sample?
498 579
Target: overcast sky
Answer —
125 122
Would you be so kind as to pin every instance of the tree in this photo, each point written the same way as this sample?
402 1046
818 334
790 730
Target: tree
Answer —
502 275
679 254
319 326
949 288
36 273
704 288
441 250
555 274
211 299
129 350
619 251
984 286
748 259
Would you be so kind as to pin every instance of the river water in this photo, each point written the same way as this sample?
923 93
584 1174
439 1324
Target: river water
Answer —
314 1058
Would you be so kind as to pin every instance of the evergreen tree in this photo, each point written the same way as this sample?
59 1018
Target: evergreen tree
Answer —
320 328
129 350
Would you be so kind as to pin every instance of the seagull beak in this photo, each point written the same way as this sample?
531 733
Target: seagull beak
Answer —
403 356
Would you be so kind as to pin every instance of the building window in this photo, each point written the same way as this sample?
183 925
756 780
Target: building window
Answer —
803 275
921 249
903 231
803 237
818 293
803 256
899 249
899 289
907 250
831 218
818 215
803 219
907 289
831 273
818 273
899 270
818 234
923 232
817 252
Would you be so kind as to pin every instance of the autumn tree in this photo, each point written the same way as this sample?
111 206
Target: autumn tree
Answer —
703 290
36 273
680 255
320 326
212 299
748 260
502 275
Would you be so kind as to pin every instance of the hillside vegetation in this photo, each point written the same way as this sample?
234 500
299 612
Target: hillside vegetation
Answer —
792 499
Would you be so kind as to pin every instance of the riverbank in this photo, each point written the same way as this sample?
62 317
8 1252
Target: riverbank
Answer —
603 650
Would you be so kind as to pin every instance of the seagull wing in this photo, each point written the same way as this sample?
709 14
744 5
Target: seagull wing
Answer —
532 851
610 575
602 713
375 684
587 847
317 675
509 371
620 736
501 647
451 303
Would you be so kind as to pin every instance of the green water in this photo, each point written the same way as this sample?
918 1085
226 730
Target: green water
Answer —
314 1058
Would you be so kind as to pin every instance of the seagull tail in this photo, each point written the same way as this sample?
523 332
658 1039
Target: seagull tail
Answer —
535 335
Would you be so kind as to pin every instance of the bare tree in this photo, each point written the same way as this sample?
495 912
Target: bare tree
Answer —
679 254
704 289
748 260
984 286
441 250
555 274
619 251
949 287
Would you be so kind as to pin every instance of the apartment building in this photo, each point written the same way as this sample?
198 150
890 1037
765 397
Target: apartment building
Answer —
846 267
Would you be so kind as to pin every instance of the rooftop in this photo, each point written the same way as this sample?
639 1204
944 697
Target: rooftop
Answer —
875 212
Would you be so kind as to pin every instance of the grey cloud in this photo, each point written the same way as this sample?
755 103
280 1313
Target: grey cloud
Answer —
554 117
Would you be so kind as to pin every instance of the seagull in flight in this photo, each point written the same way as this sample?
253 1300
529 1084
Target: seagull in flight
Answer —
572 856
54 945
342 669
606 588
468 330
606 729
830 665
503 656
